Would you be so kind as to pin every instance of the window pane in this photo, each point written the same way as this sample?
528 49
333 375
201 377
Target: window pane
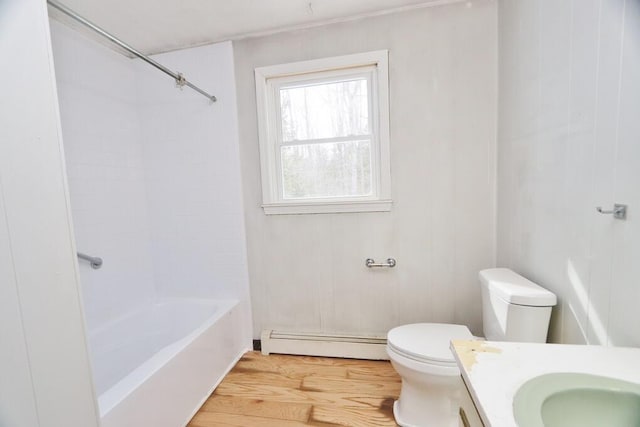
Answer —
337 169
325 110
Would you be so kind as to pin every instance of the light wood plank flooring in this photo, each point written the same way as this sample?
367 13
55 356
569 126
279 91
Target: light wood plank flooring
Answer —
279 390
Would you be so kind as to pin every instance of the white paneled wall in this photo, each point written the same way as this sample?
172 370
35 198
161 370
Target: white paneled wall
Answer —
45 373
569 140
625 278
17 398
307 271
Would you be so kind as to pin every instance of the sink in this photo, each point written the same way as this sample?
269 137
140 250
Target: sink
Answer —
577 400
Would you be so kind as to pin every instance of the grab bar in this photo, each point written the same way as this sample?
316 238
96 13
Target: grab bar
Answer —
96 262
371 263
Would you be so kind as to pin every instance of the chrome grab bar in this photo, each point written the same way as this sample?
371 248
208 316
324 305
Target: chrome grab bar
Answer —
371 263
96 262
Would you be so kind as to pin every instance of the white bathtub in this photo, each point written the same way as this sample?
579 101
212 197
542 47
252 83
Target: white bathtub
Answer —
155 366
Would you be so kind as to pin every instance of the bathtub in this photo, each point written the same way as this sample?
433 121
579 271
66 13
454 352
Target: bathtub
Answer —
157 365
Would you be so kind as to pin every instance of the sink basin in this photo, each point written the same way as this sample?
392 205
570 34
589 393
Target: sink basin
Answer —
577 400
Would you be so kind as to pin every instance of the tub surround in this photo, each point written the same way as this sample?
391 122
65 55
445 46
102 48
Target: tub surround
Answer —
145 165
146 194
494 371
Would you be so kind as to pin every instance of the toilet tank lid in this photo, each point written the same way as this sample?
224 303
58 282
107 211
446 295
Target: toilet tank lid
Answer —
515 289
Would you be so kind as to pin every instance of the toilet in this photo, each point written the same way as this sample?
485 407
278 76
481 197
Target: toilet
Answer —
513 309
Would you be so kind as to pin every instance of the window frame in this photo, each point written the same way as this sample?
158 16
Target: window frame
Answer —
270 79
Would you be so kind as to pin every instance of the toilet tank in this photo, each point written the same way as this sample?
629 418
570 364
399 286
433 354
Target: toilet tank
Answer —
513 307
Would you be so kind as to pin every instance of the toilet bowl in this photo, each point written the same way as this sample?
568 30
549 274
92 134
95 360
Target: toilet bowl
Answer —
514 309
431 381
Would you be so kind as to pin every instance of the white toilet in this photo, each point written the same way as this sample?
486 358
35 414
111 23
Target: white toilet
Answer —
513 309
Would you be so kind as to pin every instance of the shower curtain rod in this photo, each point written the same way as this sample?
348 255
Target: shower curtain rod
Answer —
178 77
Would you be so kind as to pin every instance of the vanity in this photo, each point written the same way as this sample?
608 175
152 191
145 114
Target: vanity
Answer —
552 385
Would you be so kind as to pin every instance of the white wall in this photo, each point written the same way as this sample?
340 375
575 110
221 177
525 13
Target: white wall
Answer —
307 271
44 364
17 399
105 165
568 142
192 172
193 175
154 175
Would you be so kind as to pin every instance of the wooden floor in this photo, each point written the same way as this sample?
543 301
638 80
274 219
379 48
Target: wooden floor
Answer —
284 391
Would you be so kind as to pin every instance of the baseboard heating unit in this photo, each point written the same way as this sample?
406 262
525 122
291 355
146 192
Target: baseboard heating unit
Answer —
328 345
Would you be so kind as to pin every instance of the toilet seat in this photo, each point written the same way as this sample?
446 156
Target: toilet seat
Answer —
427 342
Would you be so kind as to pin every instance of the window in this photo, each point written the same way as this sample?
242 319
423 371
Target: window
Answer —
324 135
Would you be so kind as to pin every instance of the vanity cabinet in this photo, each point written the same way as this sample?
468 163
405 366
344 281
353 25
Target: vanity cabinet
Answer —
469 416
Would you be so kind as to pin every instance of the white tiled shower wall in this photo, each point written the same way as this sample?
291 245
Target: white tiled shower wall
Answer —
105 165
193 175
153 175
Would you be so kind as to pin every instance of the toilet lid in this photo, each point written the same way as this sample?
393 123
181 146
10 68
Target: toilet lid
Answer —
427 341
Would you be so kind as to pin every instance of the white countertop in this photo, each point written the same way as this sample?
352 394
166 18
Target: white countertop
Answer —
493 371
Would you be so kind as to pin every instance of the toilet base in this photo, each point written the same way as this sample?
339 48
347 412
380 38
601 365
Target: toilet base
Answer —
402 423
434 418
398 418
428 398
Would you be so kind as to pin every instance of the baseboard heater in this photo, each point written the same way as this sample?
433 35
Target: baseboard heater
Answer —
328 345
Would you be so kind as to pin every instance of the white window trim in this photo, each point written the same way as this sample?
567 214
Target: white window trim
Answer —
267 132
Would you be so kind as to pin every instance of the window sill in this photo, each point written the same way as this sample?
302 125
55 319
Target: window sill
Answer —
327 207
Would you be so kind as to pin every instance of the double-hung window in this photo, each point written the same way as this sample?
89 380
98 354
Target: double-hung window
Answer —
324 135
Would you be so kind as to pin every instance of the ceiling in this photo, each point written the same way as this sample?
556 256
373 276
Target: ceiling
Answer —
154 26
